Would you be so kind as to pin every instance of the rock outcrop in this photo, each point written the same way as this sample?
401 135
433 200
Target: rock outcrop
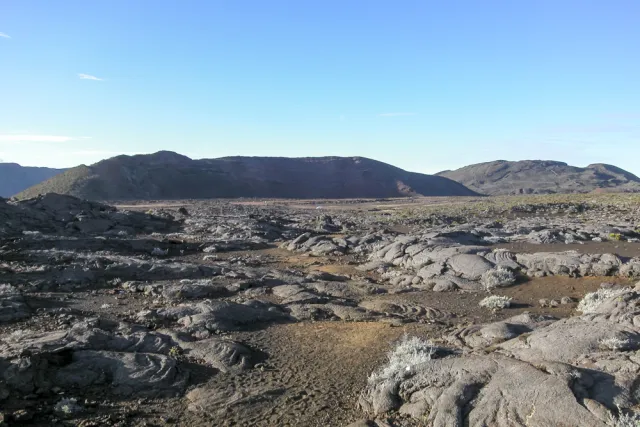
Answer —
580 371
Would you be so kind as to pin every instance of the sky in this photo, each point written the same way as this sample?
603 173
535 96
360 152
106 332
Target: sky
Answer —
424 85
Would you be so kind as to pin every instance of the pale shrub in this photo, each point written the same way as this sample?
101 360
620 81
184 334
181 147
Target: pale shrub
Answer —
615 343
593 300
159 252
402 360
625 420
497 278
67 406
496 302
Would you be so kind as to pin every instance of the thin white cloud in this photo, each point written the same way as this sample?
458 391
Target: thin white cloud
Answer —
56 156
396 114
89 77
593 128
6 36
39 138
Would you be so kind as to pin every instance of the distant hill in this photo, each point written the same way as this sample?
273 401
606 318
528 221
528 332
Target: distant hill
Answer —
167 175
15 178
542 177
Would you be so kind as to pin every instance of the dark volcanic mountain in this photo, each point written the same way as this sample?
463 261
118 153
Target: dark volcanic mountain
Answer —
542 177
15 178
167 175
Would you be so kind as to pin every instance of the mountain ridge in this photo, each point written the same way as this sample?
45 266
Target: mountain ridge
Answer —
15 178
169 175
503 177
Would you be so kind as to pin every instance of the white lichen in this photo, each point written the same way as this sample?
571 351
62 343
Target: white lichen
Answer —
409 353
496 302
593 300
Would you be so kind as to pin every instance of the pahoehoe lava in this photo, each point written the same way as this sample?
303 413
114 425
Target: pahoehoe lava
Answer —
399 312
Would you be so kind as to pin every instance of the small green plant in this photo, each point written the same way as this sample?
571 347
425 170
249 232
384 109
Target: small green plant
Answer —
615 236
175 351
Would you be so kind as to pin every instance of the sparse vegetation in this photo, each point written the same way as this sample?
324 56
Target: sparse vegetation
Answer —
17 335
629 419
175 351
593 300
67 406
615 236
615 343
463 209
407 354
498 278
496 302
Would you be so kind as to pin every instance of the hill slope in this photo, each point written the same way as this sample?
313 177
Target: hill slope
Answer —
542 177
167 175
15 178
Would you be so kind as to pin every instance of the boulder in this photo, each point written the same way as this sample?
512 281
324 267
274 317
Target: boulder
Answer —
469 266
229 316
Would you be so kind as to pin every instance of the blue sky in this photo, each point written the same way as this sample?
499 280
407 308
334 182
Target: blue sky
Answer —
424 85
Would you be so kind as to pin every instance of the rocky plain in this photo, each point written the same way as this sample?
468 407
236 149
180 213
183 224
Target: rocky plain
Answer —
503 311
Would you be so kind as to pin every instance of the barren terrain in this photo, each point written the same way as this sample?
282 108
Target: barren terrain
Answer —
278 312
